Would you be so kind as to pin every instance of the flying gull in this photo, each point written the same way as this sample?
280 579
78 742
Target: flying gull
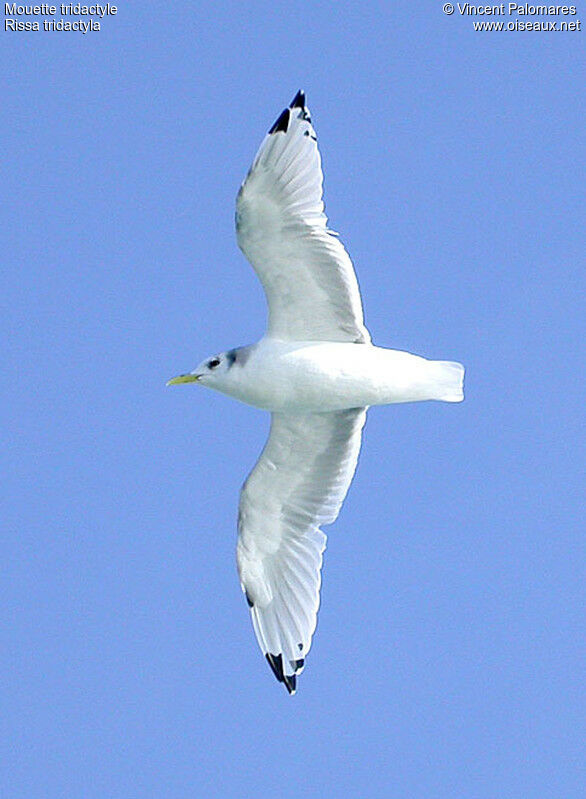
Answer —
317 372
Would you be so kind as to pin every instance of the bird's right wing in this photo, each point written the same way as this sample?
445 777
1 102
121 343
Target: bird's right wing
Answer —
298 484
307 275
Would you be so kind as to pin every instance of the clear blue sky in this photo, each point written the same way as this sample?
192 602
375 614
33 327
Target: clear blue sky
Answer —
447 660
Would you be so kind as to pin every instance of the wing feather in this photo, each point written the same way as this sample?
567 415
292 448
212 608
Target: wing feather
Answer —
307 275
298 484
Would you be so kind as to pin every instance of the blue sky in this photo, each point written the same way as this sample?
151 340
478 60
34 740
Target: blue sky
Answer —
447 660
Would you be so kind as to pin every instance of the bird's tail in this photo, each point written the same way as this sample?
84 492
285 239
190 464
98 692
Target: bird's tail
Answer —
448 377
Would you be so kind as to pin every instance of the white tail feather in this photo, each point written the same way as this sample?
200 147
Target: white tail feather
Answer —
449 380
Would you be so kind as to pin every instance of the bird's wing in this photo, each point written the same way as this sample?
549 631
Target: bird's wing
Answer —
307 275
298 484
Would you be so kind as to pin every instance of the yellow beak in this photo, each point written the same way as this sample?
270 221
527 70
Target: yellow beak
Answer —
175 381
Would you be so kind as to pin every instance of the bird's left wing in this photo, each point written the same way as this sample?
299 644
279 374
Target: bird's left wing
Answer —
307 275
298 484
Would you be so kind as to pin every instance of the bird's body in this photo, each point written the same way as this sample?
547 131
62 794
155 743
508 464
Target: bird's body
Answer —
317 376
317 372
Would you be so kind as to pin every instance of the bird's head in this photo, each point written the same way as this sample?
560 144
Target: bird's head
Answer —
211 371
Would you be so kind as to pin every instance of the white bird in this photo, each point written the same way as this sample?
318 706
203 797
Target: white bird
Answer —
317 372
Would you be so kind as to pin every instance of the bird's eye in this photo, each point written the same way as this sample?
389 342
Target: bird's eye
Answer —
213 363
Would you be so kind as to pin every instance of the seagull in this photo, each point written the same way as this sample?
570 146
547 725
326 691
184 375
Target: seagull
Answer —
317 372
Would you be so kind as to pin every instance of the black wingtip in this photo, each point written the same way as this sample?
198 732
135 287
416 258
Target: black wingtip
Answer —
299 100
290 683
276 664
282 122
